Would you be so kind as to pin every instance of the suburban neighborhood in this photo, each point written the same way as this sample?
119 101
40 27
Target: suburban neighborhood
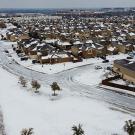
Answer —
67 71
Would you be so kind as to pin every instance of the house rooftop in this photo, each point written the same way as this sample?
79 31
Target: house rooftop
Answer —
130 66
121 62
126 64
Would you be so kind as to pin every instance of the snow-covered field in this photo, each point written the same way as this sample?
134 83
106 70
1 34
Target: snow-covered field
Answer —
23 109
91 76
94 76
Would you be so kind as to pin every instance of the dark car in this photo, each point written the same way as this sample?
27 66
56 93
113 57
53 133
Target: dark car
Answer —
129 57
6 51
24 58
18 51
109 68
105 61
35 61
103 57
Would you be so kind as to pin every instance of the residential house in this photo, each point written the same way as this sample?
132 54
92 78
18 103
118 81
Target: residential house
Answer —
125 68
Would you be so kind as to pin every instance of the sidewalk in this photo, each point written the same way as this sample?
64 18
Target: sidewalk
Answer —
118 90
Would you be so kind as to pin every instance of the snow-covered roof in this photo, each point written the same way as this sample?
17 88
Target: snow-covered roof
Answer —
46 28
114 39
111 49
51 40
65 43
132 34
77 43
55 56
89 41
34 42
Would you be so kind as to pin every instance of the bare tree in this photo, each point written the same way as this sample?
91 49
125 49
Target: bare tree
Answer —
27 131
55 87
22 81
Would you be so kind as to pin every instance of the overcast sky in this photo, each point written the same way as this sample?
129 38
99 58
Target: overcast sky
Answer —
65 3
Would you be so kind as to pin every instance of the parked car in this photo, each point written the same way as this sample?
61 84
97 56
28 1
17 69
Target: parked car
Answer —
103 57
131 54
18 51
109 68
24 58
35 61
129 57
98 67
6 51
20 55
105 61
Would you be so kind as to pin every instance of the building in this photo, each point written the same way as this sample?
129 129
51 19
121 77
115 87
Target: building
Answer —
126 69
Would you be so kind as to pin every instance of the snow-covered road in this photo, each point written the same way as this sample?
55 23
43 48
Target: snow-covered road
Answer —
66 80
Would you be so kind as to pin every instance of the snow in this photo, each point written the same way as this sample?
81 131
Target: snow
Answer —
77 43
51 40
55 56
23 109
93 76
63 43
111 48
89 41
132 34
113 39
122 82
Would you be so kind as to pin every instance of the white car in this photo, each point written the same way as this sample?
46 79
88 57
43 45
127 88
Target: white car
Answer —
9 55
98 67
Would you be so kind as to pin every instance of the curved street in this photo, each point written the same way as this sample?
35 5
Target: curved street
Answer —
117 100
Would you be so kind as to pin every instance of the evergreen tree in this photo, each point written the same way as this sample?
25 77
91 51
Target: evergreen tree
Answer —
129 127
35 84
55 87
77 130
27 131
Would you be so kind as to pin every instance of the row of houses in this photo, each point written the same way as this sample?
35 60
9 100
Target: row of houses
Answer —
44 51
44 38
97 29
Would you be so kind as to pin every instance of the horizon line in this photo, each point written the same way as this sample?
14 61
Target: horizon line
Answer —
67 7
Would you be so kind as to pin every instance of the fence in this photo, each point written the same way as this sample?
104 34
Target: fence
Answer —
108 83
